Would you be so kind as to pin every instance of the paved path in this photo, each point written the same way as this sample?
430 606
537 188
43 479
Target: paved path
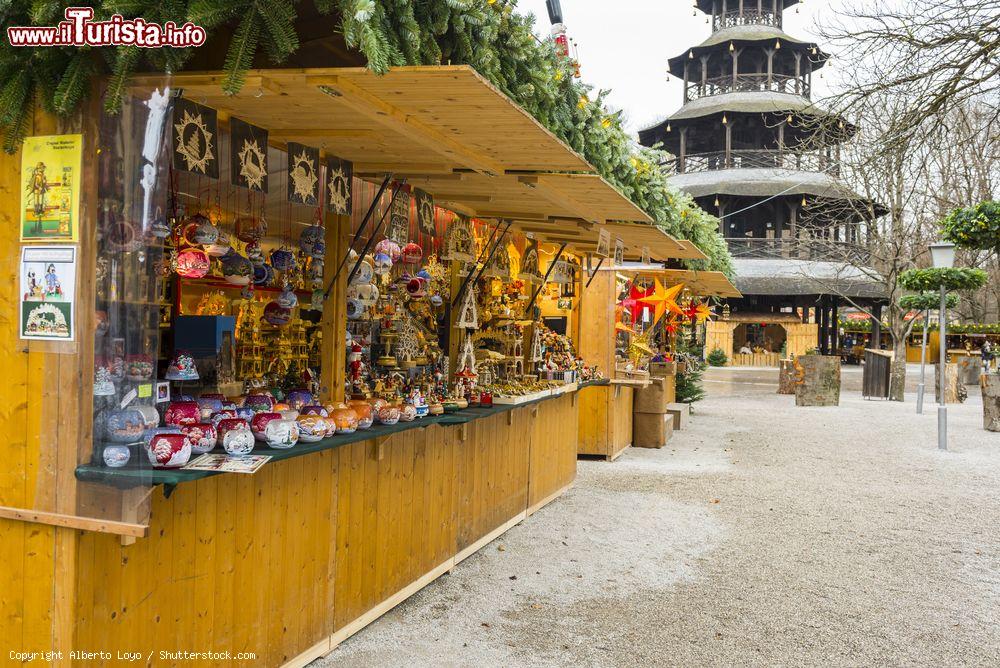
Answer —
764 534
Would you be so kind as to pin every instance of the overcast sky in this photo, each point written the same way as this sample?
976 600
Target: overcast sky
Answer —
624 46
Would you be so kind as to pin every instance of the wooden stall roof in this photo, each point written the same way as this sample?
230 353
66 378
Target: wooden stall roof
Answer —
583 238
433 119
535 197
701 283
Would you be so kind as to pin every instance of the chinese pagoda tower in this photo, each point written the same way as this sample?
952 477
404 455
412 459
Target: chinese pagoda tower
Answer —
751 147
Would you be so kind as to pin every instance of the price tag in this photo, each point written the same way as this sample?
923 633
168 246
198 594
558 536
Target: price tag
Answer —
145 390
128 398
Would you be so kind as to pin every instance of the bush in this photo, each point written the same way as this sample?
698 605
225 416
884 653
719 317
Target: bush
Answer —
976 227
717 358
953 278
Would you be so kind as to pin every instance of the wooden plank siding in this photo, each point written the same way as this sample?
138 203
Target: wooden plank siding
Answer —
281 562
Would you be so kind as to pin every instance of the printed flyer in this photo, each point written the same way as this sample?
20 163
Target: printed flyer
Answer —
48 292
50 188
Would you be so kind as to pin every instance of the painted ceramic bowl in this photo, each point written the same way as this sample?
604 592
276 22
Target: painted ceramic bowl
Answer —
281 434
139 367
282 259
263 274
182 367
312 428
408 413
218 416
236 438
388 415
299 398
205 233
259 422
289 414
208 405
310 236
287 298
314 409
377 405
237 270
125 426
250 230
344 419
220 247
276 314
245 413
363 410
390 248
150 417
150 433
280 406
169 451
116 456
203 437
259 402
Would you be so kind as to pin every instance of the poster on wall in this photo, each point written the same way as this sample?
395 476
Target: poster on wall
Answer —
303 174
196 137
603 243
619 251
47 276
338 185
248 155
399 216
50 187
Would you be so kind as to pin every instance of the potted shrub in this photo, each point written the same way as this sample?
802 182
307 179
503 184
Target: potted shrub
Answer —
717 357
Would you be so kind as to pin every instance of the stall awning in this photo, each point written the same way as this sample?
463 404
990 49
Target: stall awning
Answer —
583 238
435 119
443 128
700 283
535 197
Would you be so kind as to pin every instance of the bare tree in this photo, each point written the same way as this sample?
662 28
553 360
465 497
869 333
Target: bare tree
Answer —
940 55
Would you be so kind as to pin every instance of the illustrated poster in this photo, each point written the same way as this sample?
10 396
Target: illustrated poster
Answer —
48 290
425 212
50 187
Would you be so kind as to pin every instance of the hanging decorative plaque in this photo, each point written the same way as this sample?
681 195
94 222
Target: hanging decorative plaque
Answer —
425 212
248 156
399 216
338 185
196 136
303 174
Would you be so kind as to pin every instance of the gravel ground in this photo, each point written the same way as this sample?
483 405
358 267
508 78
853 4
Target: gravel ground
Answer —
763 534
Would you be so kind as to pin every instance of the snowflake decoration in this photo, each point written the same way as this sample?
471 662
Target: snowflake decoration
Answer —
253 164
196 149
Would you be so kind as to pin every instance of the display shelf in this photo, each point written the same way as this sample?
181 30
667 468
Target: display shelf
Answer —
139 473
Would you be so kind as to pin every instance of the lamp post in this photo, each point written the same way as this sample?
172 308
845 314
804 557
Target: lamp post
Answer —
923 361
943 257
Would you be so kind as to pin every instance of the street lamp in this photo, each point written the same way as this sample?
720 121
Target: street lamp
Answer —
942 257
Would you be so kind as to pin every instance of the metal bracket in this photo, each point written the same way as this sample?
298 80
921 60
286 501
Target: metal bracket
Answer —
357 235
594 273
548 272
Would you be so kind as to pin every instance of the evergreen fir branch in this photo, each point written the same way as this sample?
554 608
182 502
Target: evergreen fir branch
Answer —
242 49
279 21
75 83
126 60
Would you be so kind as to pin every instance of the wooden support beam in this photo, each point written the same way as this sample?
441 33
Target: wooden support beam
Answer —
285 134
548 190
74 522
377 109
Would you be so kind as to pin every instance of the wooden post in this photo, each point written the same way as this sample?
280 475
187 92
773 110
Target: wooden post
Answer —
835 319
683 153
686 80
770 70
729 145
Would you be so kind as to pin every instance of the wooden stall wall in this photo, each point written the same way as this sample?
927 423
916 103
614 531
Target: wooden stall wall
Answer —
800 337
605 423
42 425
290 561
719 334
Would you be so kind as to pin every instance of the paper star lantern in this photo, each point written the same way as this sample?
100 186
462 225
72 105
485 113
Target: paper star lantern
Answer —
633 302
664 299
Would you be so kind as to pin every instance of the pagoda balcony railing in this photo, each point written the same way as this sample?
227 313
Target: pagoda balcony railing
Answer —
749 16
753 82
799 248
807 161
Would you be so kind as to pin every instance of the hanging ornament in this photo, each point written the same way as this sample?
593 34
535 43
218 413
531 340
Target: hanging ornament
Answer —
412 253
309 238
287 298
250 229
383 264
254 253
468 315
283 259
390 248
237 270
159 229
459 245
262 274
276 315
192 263
205 232
365 272
220 247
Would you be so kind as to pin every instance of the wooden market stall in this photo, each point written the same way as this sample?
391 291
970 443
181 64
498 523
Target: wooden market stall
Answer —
327 535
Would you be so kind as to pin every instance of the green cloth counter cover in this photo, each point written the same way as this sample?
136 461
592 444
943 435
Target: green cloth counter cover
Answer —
139 473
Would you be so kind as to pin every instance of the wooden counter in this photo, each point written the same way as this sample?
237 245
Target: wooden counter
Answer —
292 560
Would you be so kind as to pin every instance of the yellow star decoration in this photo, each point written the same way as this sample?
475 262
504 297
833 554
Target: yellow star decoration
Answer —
702 312
664 299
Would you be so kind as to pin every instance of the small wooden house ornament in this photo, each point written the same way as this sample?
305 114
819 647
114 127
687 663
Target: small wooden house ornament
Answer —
529 264
467 358
499 265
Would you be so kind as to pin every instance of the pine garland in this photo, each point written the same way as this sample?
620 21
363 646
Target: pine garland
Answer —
486 34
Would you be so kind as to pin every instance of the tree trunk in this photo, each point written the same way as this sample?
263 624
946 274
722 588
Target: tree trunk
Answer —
897 374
